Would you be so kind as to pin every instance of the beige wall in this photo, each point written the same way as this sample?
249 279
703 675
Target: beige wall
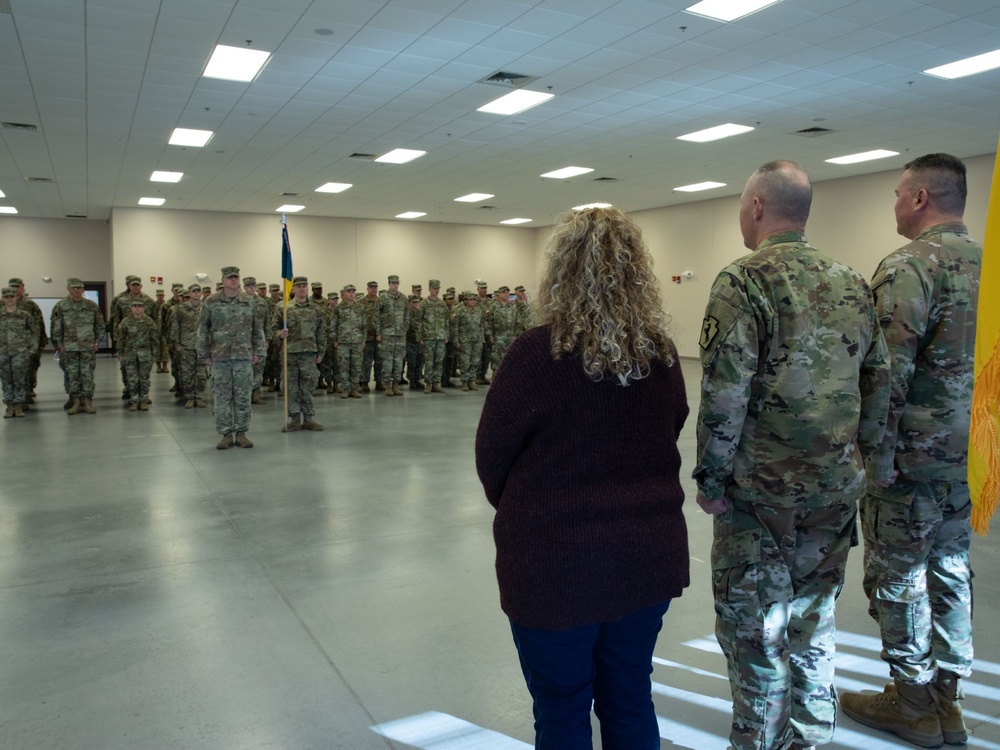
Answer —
33 249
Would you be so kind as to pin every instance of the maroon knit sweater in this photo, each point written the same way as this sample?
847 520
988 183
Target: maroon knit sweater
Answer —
585 480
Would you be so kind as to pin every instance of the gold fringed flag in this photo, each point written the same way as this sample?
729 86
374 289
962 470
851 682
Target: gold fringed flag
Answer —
984 436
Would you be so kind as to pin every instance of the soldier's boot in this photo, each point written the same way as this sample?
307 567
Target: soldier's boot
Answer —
428 387
465 385
74 408
69 402
144 404
9 414
473 386
133 406
88 406
395 388
436 388
947 692
225 442
189 404
355 393
146 400
908 711
19 409
389 392
243 441
308 423
256 398
345 393
199 403
294 424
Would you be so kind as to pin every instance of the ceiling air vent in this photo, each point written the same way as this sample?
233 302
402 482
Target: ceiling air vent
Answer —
813 132
76 216
289 195
367 157
27 127
508 80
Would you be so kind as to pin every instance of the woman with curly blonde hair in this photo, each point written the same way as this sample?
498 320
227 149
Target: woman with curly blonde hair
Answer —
577 451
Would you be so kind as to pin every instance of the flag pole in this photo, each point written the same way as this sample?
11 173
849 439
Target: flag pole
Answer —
286 245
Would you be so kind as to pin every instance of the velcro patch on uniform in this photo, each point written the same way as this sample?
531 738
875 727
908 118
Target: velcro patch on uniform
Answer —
719 321
882 292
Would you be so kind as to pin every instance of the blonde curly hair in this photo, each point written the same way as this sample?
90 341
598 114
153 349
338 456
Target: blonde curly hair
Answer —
601 298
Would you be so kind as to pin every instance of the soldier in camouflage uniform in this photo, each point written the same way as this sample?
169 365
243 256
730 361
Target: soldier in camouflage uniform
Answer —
434 326
138 341
231 340
328 368
30 307
77 328
348 326
450 355
523 308
185 321
392 319
18 339
468 328
413 347
272 368
504 325
916 515
263 310
794 396
372 351
177 298
121 309
303 329
484 300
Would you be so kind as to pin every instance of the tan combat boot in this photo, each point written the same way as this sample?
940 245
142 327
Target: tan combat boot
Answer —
346 393
465 385
947 692
395 388
74 408
908 711
189 404
473 386
428 387
144 405
436 388
355 393
243 441
88 406
19 409
308 423
199 404
388 390
294 424
256 398
225 442
9 414
133 406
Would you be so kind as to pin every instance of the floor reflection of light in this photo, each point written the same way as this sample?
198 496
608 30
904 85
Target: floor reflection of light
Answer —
438 731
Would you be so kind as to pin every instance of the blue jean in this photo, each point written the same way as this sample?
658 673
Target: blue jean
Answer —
607 665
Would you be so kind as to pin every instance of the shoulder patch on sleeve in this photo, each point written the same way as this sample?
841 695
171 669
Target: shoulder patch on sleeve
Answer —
882 292
719 320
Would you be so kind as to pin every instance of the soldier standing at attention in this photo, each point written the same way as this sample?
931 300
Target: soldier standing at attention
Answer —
413 347
304 332
795 388
231 341
32 308
328 368
916 514
504 325
121 309
138 339
272 368
77 328
448 366
372 351
468 329
486 349
434 321
348 326
262 309
18 339
160 318
523 308
185 320
392 318
177 298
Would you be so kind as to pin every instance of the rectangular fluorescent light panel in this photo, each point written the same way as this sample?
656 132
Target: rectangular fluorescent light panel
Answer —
166 176
728 10
699 186
716 133
151 201
967 67
514 102
515 221
235 63
565 172
189 137
2 195
473 197
866 156
582 206
289 209
8 210
334 187
411 215
400 156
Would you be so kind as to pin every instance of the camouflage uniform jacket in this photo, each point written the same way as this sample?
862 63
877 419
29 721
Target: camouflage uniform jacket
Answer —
18 332
504 322
467 324
925 296
795 384
306 328
413 331
370 306
76 326
32 308
435 320
121 308
137 336
392 315
185 320
524 315
231 328
349 323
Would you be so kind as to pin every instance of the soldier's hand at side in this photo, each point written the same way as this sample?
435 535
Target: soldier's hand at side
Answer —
713 507
254 359
887 482
207 361
283 333
319 359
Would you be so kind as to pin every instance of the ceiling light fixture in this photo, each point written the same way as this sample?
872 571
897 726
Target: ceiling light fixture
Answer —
152 201
583 206
728 10
514 102
334 187
159 176
967 67
400 156
698 186
411 215
714 134
864 156
516 221
566 172
189 137
288 208
2 194
474 197
235 63
8 210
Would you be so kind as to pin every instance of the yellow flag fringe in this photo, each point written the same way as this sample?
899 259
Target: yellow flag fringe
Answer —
984 439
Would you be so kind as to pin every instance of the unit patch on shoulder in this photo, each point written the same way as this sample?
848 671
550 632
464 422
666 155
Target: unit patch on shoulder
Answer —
709 330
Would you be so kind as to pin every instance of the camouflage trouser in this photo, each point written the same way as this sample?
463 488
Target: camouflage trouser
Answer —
163 353
328 369
137 369
258 373
434 360
393 350
448 368
78 371
15 374
486 353
414 361
918 577
372 356
500 347
302 379
272 367
349 359
232 382
776 574
469 353
190 374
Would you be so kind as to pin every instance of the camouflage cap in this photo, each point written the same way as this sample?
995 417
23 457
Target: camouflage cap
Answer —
15 282
194 288
177 285
468 294
160 292
481 284
183 293
74 283
250 281
228 271
451 289
394 279
333 295
129 280
449 295
372 283
138 303
434 284
503 289
218 285
414 298
206 290
299 280
317 285
274 287
8 291
349 288
415 286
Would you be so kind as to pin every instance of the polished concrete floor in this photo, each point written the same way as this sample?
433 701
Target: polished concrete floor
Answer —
322 590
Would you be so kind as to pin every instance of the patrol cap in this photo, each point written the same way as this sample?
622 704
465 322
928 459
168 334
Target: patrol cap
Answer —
503 289
129 280
299 280
274 287
8 291
159 292
333 295
175 285
414 298
394 279
416 286
481 284
228 271
184 293
434 284
249 281
519 288
194 288
138 303
317 285
349 288
451 289
74 283
468 294
449 295
206 290
218 285
372 283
